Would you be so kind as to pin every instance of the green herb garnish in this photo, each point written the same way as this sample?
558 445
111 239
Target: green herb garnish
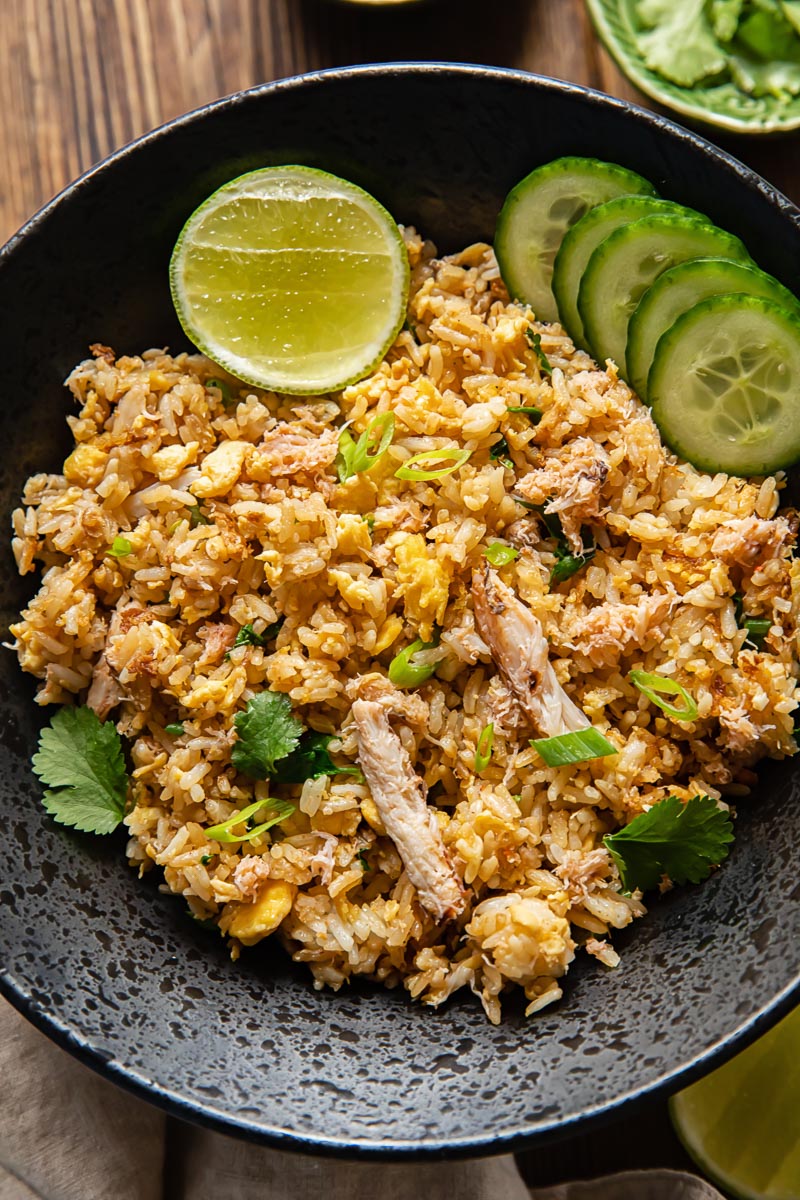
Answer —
205 859
682 841
196 517
404 672
500 555
568 748
362 858
499 452
529 410
282 809
355 457
410 470
120 547
757 629
175 730
483 750
655 687
80 762
310 761
247 635
267 732
535 343
224 390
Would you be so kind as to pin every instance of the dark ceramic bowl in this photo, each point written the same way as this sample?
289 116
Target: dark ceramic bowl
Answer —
114 971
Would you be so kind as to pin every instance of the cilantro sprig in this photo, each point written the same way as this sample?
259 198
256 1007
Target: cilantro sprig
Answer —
567 564
273 744
81 764
682 841
535 343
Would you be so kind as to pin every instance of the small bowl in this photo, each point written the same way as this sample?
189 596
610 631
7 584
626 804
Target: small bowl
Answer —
721 105
115 971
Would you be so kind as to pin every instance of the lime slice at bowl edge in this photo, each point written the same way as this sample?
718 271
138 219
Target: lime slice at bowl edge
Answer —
291 279
741 1123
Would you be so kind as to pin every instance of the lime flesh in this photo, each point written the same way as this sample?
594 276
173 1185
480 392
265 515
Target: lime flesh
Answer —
741 1124
291 279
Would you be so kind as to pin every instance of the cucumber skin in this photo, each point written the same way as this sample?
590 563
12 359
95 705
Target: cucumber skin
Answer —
723 305
771 290
736 251
660 207
630 184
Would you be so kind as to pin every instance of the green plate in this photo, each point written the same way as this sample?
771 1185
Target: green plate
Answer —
721 104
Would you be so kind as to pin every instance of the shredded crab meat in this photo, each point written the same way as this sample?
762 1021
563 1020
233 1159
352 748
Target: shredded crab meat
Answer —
104 693
519 648
399 796
569 483
749 542
609 629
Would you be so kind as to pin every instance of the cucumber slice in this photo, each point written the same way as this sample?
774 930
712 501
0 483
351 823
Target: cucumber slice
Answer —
538 212
725 386
678 290
624 266
582 240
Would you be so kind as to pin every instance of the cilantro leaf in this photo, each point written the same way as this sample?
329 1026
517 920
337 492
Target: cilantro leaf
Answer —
682 841
267 732
310 760
80 761
247 635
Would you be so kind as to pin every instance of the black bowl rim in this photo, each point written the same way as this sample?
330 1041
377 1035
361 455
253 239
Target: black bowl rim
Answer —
279 1138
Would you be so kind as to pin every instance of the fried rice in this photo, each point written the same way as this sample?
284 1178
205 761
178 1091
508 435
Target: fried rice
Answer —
235 516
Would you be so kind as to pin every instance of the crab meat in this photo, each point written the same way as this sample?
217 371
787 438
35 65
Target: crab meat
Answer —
399 796
749 542
104 692
569 483
607 630
519 648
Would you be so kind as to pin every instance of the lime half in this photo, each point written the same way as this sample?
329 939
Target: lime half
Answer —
291 279
741 1124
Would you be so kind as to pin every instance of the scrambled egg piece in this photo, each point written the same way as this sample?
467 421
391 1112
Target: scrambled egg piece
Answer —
85 466
220 469
255 921
169 461
424 583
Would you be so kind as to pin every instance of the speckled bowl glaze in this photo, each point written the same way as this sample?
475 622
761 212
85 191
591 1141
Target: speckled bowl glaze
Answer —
116 972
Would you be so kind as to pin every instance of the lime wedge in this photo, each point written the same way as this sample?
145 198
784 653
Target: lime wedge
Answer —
741 1124
291 279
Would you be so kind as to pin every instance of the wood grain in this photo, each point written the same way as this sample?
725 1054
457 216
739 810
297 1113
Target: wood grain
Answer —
79 78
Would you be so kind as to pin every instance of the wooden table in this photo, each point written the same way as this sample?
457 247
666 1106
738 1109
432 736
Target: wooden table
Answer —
79 78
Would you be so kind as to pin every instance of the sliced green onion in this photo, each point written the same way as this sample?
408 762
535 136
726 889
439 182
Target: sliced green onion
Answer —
120 547
529 410
222 832
567 564
535 343
404 673
355 457
419 475
654 687
174 730
757 629
196 517
499 452
223 388
500 555
483 750
577 747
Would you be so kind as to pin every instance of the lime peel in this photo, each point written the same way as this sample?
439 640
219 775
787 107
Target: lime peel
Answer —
291 279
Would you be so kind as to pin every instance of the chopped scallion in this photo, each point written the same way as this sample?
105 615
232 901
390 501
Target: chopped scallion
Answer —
196 517
529 410
222 832
500 555
757 629
499 452
120 547
483 750
419 475
404 672
577 747
175 730
355 457
655 687
224 390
